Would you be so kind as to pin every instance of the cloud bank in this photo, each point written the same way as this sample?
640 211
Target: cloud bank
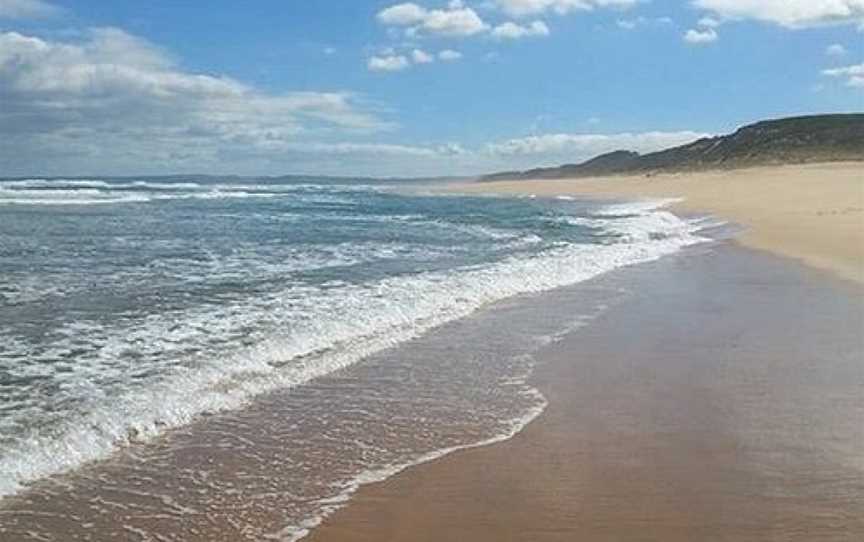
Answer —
116 98
788 13
575 147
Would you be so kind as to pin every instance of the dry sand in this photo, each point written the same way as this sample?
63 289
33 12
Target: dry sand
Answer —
813 212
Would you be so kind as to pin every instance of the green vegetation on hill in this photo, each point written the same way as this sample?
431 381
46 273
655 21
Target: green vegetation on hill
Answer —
796 140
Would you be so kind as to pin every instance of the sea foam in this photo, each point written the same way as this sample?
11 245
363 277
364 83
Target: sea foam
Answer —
306 332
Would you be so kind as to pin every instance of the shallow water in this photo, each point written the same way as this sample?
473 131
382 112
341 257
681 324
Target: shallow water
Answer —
175 331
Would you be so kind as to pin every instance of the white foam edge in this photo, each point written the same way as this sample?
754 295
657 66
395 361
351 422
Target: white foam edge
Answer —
636 207
331 505
81 446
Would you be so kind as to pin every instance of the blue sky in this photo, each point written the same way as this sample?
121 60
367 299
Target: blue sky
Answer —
387 88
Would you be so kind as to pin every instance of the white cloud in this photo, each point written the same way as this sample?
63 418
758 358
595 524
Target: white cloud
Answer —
635 22
27 9
388 63
421 57
854 74
524 8
700 36
704 32
835 49
575 147
449 55
708 22
512 31
367 149
391 60
402 14
111 97
454 20
788 13
451 149
111 75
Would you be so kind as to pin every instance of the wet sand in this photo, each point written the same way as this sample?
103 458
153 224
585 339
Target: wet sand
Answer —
723 401
813 212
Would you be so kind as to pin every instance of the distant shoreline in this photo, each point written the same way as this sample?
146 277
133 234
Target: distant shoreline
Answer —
813 212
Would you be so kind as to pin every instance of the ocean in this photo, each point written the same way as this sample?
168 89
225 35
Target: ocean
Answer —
174 352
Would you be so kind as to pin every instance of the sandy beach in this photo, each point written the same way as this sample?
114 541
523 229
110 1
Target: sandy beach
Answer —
710 406
713 394
432 271
810 212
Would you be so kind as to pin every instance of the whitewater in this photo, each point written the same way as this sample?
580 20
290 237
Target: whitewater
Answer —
132 309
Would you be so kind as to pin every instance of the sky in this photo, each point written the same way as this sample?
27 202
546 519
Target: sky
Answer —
383 88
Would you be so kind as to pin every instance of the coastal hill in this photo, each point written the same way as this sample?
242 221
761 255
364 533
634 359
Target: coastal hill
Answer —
795 140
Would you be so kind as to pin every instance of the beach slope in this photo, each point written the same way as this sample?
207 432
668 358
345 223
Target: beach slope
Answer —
720 402
812 212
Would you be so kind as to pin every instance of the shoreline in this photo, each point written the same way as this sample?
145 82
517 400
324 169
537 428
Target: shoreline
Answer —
710 407
813 213
715 304
231 476
697 410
